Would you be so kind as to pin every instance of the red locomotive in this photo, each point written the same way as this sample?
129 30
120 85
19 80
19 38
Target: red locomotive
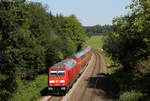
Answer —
63 74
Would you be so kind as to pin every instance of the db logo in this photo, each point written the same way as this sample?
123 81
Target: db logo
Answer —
57 81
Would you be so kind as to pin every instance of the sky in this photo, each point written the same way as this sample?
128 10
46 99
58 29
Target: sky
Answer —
88 12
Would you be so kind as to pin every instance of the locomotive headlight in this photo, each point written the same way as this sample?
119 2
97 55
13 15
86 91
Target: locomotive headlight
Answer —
62 81
51 81
63 88
50 88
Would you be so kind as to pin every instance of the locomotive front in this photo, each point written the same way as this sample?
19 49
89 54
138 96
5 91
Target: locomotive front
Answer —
58 79
63 74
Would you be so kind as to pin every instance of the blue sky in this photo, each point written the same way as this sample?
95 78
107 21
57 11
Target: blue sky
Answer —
89 12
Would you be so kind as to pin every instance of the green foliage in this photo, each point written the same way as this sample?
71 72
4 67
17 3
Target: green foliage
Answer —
98 29
71 30
31 91
53 53
129 44
9 19
112 66
31 40
131 37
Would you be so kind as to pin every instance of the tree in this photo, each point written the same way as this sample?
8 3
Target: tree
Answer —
31 40
129 44
98 29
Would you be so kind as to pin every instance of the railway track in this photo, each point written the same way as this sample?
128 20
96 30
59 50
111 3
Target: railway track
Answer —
85 89
95 70
55 98
101 69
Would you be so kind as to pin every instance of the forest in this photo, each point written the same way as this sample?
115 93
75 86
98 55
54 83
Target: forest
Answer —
129 45
98 29
31 40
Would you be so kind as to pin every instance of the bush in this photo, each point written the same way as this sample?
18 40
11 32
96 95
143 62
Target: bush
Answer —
131 96
143 67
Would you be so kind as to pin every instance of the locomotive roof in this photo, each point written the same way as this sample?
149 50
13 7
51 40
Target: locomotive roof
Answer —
69 63
82 52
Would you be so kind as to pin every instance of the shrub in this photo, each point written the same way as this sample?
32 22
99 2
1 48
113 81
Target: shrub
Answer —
131 96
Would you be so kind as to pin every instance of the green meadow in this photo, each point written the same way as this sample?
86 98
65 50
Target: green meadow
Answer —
95 42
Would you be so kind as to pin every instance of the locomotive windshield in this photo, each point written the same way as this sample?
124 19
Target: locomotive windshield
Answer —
57 72
70 63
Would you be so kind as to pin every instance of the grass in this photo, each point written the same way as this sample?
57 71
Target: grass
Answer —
95 42
31 91
112 66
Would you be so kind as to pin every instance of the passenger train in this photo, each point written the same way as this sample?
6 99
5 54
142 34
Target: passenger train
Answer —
62 75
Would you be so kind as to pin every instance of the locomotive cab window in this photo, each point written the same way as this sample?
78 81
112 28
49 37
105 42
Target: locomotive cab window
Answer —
57 72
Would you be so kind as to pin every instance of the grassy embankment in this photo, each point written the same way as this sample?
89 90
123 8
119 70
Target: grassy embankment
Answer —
31 91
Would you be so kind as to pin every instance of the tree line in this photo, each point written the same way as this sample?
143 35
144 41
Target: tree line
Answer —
31 40
98 29
129 45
